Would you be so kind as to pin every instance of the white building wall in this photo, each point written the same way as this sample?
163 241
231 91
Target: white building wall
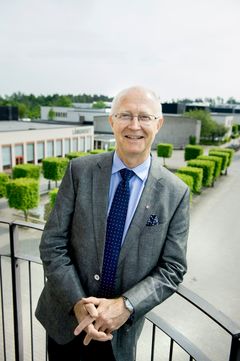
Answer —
44 135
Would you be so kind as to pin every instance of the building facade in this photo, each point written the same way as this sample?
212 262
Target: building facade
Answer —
30 142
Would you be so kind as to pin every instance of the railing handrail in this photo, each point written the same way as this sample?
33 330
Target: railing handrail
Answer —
211 311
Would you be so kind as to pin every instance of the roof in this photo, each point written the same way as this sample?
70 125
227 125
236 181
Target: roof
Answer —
11 126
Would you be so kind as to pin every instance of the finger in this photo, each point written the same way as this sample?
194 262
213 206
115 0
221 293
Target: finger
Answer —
93 334
83 324
91 309
91 299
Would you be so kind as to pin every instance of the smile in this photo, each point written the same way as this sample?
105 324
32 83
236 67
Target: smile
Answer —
134 137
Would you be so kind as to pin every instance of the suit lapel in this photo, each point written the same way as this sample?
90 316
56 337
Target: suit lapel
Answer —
101 183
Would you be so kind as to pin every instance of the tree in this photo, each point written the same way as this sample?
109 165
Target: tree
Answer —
164 150
208 126
26 171
99 105
54 168
22 110
51 114
23 194
4 179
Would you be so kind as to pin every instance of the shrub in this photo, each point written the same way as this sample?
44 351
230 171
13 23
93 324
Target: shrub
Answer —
72 155
53 195
207 167
217 164
26 171
223 155
97 151
23 194
4 179
192 151
192 140
196 174
54 168
111 149
164 150
188 180
227 150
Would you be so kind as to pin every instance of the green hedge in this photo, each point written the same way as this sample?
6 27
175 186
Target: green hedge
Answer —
217 164
226 150
52 196
192 151
223 155
207 167
23 194
188 179
196 174
72 155
164 150
4 179
54 168
26 171
97 151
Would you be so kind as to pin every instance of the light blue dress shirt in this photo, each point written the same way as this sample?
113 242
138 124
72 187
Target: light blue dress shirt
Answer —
136 184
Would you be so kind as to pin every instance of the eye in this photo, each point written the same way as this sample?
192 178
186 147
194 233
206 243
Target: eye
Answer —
144 118
125 116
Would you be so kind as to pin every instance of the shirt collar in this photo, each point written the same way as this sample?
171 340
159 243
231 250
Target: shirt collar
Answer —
141 170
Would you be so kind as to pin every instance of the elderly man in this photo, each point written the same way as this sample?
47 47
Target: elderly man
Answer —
114 246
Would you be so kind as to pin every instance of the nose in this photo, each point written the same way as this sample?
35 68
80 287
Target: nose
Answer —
134 124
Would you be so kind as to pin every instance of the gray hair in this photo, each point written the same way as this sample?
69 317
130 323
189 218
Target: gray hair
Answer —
138 89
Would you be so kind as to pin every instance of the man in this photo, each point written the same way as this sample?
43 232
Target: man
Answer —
95 297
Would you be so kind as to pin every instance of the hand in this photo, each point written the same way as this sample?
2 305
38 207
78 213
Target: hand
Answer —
112 314
86 314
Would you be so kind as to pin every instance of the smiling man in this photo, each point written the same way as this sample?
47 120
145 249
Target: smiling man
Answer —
114 246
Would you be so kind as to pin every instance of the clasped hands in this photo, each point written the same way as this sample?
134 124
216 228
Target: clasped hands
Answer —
99 317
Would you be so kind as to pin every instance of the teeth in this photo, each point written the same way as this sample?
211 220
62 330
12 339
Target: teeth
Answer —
134 137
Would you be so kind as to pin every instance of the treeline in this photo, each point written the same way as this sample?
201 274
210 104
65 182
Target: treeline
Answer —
29 105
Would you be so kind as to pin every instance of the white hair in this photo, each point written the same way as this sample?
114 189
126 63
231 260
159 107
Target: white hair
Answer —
138 89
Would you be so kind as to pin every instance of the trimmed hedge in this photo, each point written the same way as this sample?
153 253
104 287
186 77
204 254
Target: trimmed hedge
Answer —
217 164
192 151
188 179
26 171
227 150
223 155
54 168
4 179
97 151
73 155
23 194
52 196
207 167
196 174
164 150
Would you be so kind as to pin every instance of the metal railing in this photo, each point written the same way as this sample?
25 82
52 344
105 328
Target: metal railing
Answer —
21 304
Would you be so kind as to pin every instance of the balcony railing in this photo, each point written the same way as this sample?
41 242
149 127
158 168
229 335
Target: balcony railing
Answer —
21 281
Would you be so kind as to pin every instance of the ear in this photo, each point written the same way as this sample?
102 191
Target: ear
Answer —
110 120
160 123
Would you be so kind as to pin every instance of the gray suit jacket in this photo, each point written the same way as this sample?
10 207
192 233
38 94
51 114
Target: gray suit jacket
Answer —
152 261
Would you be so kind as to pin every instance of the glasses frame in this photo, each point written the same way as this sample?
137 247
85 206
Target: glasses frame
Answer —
138 116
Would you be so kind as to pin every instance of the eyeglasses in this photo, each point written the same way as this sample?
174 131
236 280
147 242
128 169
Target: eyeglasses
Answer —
145 119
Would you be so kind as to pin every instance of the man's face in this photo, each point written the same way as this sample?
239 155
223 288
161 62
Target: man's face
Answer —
134 138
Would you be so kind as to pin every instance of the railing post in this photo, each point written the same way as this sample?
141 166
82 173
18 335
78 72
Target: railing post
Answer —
235 348
16 293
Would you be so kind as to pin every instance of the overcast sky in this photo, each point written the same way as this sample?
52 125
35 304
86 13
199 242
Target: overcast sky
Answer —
179 48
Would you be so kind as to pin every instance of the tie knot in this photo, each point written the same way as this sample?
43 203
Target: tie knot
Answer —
126 174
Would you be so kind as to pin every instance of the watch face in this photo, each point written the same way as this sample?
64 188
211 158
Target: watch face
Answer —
128 305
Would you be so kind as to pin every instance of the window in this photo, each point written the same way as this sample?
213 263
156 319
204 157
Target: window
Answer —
50 152
74 144
66 146
40 151
6 157
19 150
30 153
59 148
81 144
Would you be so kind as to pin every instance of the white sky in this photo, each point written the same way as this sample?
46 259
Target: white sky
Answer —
179 48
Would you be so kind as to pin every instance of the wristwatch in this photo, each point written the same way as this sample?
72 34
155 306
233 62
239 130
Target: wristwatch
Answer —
128 304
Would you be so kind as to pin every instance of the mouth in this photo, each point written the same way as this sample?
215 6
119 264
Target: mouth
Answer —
134 137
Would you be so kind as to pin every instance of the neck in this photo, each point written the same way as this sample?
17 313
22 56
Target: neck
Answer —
131 161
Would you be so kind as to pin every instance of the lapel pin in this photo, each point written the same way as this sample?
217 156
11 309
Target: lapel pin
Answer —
147 206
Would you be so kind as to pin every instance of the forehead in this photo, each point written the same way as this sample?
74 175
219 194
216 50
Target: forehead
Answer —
137 102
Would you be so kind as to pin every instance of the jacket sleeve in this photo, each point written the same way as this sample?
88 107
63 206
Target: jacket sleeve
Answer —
55 250
164 279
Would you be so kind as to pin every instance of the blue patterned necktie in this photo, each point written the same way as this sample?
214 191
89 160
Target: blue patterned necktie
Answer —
115 227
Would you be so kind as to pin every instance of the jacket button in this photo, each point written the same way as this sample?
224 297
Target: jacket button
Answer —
97 277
